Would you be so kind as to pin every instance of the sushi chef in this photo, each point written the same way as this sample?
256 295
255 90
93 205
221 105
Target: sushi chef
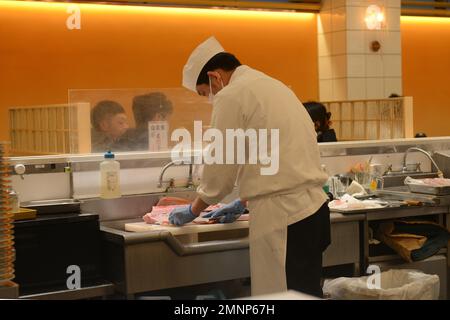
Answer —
289 224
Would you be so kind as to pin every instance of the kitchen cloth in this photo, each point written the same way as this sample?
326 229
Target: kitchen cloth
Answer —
414 240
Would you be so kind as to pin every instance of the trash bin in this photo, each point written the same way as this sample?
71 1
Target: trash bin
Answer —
395 284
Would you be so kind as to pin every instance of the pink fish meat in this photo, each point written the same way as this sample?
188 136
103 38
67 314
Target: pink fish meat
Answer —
437 182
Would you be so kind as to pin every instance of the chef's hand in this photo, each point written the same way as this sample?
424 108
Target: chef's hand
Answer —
181 215
228 213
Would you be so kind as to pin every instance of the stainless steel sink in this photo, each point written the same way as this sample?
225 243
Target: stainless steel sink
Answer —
55 206
130 206
395 189
397 179
402 193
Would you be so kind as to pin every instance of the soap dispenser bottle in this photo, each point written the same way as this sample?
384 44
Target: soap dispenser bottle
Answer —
110 177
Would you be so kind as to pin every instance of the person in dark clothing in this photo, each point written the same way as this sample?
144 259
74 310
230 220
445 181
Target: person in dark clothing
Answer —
154 106
321 119
420 135
109 123
307 258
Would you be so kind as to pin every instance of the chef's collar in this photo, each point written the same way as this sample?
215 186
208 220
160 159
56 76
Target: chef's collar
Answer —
238 72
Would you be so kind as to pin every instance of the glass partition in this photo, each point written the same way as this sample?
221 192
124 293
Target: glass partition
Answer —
98 120
123 120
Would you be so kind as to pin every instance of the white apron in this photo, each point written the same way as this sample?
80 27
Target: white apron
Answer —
268 227
268 238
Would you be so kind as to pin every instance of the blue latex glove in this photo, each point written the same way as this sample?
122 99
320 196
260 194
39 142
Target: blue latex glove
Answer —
181 215
228 213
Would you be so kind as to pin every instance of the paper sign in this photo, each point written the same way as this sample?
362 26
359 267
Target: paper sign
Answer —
158 135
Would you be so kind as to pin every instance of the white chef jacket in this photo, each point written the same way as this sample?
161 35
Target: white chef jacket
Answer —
252 99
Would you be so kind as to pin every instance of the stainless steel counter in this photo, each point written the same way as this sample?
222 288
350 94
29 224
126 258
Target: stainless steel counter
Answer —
147 261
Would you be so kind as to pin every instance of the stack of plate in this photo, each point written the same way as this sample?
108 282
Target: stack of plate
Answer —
7 253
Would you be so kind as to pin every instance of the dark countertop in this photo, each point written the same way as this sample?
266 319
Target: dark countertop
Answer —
46 219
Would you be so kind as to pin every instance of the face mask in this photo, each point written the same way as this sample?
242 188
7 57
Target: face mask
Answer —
211 94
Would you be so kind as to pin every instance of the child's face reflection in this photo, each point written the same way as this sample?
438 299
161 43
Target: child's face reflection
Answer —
116 126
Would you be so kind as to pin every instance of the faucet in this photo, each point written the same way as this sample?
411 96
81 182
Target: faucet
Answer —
176 163
439 172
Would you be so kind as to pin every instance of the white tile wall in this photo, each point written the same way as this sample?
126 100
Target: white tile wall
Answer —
357 3
339 66
381 3
324 22
392 65
348 68
339 89
366 3
393 19
338 3
356 88
375 88
326 4
338 17
356 42
325 68
374 65
393 3
326 90
356 65
324 44
392 85
355 18
391 42
338 41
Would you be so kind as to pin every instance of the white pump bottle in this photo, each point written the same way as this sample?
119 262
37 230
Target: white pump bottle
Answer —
110 177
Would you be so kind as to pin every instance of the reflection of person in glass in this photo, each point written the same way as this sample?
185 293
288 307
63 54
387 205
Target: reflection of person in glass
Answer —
322 123
152 106
109 123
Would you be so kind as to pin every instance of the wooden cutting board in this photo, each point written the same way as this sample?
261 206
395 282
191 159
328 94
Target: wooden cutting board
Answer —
189 228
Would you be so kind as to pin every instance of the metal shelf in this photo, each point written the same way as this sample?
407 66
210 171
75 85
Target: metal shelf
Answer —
393 257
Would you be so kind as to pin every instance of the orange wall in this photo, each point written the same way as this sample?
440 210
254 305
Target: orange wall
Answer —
140 47
426 72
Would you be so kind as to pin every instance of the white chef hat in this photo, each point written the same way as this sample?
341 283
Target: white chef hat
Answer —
197 60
